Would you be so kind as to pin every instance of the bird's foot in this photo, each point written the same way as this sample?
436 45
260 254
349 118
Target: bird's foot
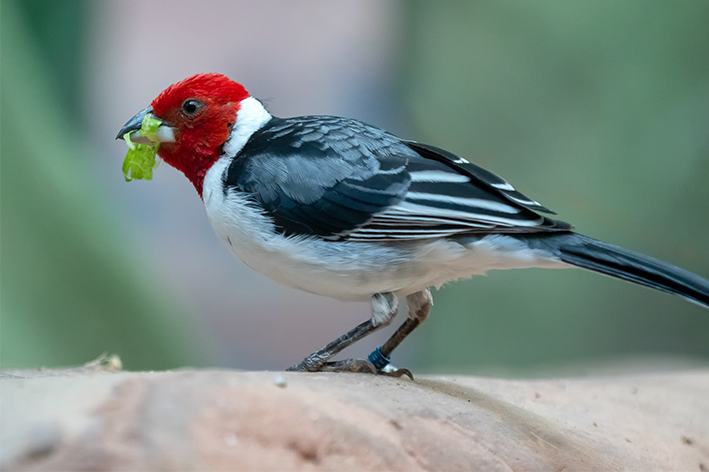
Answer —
308 365
385 367
376 364
362 366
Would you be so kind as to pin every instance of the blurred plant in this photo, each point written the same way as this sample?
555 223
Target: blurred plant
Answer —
71 286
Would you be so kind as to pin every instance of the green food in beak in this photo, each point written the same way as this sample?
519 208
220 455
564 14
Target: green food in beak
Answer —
141 158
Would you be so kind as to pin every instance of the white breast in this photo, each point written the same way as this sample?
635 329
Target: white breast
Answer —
352 271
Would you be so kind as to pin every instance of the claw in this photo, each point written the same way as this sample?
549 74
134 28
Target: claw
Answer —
390 370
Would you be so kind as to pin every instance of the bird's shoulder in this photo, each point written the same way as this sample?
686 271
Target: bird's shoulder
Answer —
321 175
321 136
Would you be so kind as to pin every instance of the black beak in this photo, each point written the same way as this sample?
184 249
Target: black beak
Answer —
134 123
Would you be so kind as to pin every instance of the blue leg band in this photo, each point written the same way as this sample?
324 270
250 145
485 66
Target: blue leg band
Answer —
378 360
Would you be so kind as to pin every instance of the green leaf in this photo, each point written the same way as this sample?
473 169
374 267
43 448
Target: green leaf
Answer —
141 158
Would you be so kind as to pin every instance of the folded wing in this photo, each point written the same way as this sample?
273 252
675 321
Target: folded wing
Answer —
344 180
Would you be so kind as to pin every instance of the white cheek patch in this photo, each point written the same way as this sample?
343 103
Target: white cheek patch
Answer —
250 118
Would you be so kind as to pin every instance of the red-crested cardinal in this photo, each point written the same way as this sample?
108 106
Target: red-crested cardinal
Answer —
337 207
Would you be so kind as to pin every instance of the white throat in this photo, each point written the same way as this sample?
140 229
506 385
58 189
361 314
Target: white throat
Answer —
250 118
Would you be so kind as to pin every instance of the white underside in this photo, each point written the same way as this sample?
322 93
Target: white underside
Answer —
353 271
345 270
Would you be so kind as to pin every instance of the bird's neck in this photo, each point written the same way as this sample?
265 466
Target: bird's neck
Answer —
194 161
251 117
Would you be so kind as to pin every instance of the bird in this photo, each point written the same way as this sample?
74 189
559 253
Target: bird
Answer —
339 208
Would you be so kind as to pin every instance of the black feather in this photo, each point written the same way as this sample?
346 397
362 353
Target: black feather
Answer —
321 176
481 175
582 251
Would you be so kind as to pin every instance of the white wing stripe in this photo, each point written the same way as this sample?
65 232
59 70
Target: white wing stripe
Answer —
503 186
470 202
438 176
386 236
407 209
523 201
418 220
405 231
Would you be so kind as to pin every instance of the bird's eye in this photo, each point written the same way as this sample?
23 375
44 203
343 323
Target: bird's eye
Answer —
192 106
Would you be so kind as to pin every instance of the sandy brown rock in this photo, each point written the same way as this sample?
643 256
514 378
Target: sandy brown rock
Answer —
228 420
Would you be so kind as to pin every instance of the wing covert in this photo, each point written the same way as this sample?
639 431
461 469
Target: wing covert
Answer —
323 176
342 179
482 175
442 202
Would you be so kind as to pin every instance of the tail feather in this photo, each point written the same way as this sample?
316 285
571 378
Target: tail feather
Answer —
588 253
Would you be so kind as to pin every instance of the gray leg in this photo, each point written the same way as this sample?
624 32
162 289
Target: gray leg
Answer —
420 304
384 309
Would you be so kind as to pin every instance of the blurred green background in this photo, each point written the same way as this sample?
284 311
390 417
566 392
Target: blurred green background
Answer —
70 288
600 111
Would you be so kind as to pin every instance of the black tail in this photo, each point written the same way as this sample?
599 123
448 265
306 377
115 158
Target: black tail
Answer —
615 261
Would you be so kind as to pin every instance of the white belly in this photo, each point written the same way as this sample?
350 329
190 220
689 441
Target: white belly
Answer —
353 271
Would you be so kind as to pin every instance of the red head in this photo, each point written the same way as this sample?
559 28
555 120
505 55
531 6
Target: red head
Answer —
202 110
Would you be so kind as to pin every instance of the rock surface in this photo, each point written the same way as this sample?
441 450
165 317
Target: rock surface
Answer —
89 419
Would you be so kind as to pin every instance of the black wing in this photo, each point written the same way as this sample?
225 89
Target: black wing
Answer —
321 175
342 179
